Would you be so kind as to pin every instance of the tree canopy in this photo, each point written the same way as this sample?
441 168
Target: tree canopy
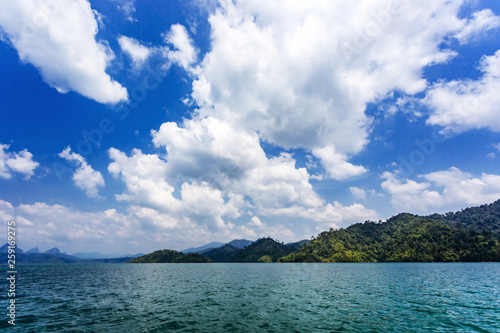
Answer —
170 256
404 237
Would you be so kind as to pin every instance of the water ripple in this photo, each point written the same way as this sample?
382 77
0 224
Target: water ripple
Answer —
258 298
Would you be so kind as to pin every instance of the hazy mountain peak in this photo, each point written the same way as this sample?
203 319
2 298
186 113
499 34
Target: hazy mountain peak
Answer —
53 250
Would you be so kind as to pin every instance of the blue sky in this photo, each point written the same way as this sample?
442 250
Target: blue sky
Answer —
130 126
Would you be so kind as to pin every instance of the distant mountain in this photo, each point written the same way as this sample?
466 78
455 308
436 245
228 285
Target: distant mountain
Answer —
45 258
54 251
170 256
221 254
237 243
105 260
98 255
132 255
91 255
264 249
208 246
5 249
54 256
240 243
33 256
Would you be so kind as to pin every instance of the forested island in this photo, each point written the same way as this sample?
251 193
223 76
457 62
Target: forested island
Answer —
472 234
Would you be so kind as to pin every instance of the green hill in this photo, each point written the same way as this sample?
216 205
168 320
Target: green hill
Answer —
404 237
263 250
485 218
170 256
222 254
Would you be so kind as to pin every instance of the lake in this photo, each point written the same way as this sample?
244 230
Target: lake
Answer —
375 297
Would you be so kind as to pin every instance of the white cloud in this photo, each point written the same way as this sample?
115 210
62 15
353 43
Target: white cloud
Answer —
212 151
205 205
442 190
222 174
144 176
99 18
138 52
127 7
336 165
20 162
256 222
180 51
6 211
139 229
257 229
59 39
84 177
300 74
461 105
72 230
184 53
337 215
480 22
358 193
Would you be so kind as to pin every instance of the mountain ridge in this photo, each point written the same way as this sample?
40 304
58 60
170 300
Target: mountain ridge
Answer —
402 238
237 243
170 256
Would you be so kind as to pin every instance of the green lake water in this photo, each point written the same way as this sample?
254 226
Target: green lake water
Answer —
381 297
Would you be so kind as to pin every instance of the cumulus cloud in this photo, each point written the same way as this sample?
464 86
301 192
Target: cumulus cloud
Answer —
461 105
336 165
441 190
480 22
84 177
137 52
233 161
300 74
258 229
138 229
179 50
223 173
205 205
144 176
358 193
59 39
20 162
184 52
337 215
6 211
71 230
256 222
